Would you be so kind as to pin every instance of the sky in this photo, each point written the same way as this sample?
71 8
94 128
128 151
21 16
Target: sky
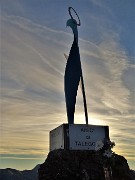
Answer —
34 38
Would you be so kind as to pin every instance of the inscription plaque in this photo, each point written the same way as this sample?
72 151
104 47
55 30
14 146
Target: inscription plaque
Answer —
77 136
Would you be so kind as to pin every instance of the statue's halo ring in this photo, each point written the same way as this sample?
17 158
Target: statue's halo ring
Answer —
69 9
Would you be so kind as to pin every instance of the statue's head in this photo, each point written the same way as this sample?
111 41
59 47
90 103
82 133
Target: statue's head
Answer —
72 23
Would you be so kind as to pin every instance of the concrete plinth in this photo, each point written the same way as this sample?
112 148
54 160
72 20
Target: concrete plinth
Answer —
77 136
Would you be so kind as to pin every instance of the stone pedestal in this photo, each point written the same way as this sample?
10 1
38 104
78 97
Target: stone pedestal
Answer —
77 136
82 165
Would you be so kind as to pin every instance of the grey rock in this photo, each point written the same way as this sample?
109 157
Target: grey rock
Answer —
83 165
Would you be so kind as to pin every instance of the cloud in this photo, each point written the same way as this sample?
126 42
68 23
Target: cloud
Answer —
33 89
110 63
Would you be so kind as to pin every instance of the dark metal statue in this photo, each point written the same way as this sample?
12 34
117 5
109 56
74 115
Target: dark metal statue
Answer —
73 72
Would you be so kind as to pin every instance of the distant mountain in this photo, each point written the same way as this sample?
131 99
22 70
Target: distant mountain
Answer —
13 174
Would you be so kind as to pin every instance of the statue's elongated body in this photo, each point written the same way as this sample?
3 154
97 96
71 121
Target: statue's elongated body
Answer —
72 73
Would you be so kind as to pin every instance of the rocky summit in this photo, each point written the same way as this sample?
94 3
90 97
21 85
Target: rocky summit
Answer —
84 165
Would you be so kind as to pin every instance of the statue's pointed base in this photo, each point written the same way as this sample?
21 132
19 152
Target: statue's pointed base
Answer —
83 165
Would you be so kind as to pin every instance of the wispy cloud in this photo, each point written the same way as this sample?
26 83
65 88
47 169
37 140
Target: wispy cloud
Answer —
33 93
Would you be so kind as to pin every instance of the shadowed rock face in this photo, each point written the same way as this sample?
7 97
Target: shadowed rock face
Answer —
83 165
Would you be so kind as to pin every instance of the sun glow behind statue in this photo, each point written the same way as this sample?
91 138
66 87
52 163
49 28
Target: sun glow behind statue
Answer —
93 120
